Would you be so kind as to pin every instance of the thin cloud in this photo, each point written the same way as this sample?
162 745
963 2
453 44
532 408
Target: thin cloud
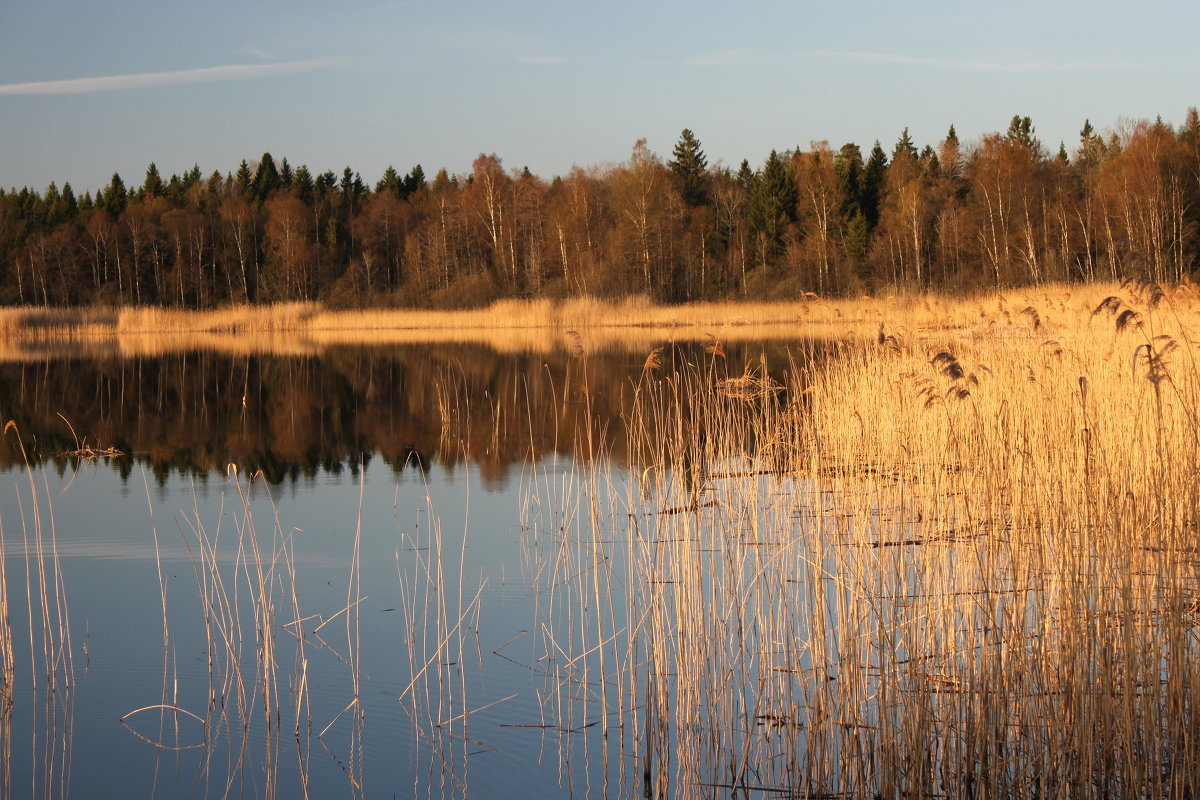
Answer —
542 60
150 80
970 65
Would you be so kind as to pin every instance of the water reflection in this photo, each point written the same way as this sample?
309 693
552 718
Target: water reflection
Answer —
291 417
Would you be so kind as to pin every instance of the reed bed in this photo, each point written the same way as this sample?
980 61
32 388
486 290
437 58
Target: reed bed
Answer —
511 325
943 562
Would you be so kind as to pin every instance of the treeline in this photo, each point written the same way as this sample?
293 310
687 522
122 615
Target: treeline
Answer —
1002 211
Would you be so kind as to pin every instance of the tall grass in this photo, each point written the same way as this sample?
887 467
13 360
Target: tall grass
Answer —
46 685
938 565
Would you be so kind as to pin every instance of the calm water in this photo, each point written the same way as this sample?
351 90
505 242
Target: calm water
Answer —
396 502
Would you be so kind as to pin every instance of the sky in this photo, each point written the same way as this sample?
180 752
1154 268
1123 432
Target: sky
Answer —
90 88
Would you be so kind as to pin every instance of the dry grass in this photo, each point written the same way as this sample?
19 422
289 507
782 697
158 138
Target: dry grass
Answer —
959 559
516 326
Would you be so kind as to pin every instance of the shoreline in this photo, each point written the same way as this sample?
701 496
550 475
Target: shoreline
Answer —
32 333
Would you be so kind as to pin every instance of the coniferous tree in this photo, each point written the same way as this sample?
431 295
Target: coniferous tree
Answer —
689 166
1020 132
243 182
745 176
391 182
904 147
113 197
266 179
874 178
302 185
848 165
773 199
152 186
415 180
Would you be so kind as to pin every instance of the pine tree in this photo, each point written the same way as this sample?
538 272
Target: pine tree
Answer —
266 178
773 199
848 165
689 165
905 147
113 197
302 184
745 176
152 186
415 180
244 183
1020 132
874 176
390 182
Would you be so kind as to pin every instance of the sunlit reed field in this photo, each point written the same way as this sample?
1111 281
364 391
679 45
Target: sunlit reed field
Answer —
516 326
954 557
937 565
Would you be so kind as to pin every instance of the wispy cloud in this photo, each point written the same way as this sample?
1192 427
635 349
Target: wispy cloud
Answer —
542 60
148 80
1016 63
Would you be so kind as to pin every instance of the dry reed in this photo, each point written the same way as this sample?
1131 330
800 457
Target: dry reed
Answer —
947 562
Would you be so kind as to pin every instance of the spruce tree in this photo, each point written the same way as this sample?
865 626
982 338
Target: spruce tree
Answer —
243 182
905 147
874 175
745 176
848 165
773 199
113 197
415 180
390 182
153 185
302 184
1020 132
266 178
689 165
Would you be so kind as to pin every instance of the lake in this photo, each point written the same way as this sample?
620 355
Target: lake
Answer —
365 572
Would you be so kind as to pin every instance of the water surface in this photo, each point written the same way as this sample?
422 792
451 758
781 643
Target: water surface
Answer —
394 495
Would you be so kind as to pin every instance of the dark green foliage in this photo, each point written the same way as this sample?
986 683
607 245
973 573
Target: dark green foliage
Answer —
773 198
266 179
113 197
243 182
874 178
302 185
745 176
689 166
325 181
904 147
415 180
391 182
848 165
1021 133
152 186
929 162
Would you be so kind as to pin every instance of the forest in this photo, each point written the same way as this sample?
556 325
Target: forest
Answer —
1001 211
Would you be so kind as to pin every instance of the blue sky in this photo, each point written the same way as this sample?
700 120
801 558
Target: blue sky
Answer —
89 88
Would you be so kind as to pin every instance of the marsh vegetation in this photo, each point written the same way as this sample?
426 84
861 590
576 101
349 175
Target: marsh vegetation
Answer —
950 551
